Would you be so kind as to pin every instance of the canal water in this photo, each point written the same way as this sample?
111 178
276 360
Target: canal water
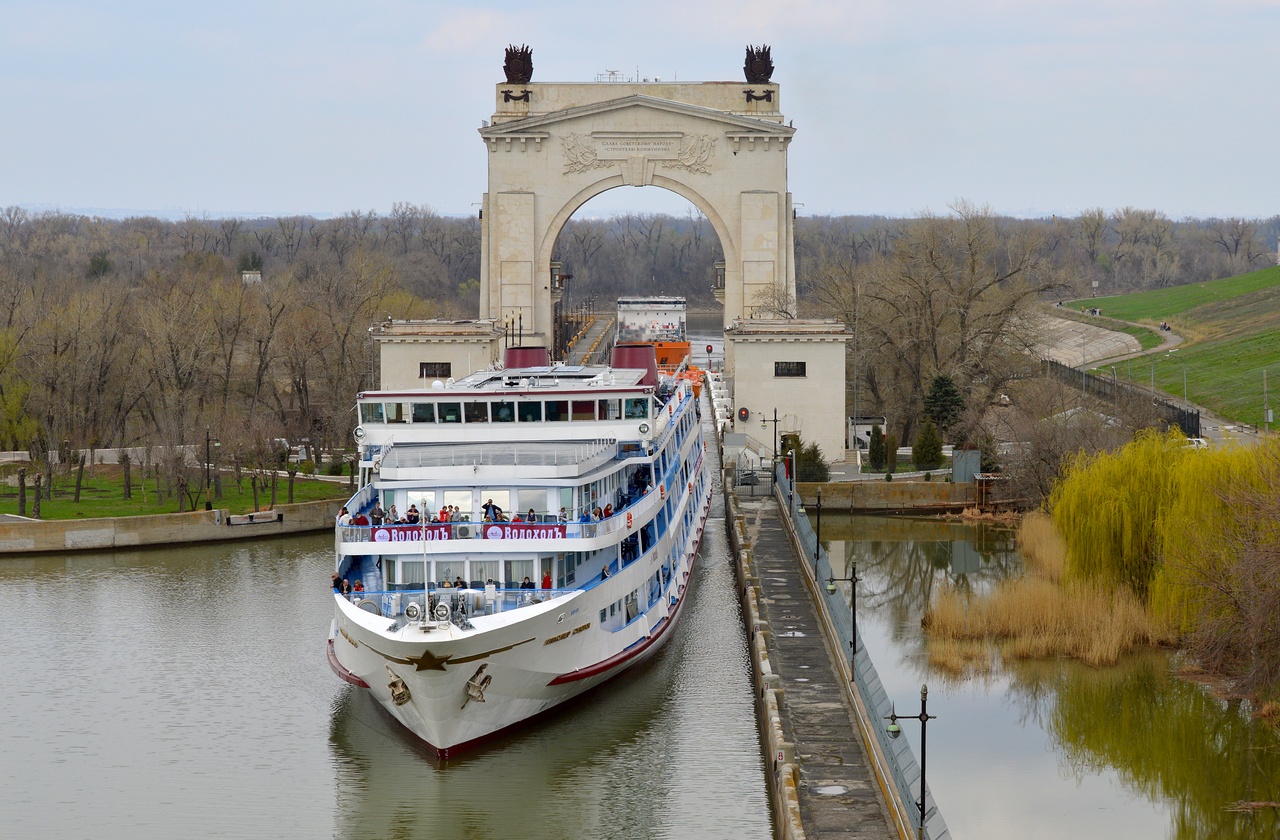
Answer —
186 693
1051 749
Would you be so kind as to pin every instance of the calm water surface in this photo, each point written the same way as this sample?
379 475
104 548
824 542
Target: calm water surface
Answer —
186 693
1052 749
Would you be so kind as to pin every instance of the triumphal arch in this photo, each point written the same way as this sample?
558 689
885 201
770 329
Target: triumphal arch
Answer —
552 146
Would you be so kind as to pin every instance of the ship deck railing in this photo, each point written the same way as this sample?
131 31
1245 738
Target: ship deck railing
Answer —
551 529
475 601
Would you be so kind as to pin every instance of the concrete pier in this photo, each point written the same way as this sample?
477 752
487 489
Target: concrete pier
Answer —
823 783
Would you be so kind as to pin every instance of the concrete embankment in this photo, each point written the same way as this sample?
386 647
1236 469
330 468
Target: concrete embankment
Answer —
889 496
820 779
63 535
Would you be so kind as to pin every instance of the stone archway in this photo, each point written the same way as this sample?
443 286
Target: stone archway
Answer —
553 146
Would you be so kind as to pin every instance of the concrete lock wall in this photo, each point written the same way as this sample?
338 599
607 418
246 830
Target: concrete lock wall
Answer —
873 495
62 535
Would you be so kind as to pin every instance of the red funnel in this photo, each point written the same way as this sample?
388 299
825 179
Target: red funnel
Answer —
526 357
638 356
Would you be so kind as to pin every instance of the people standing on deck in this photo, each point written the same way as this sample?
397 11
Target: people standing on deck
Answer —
532 517
526 583
413 517
360 520
491 510
393 516
564 516
337 582
546 580
608 511
357 587
345 587
377 515
344 516
459 583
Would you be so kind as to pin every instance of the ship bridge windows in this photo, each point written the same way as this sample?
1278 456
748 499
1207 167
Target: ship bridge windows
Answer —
371 412
584 410
424 412
557 410
477 412
449 412
610 409
530 412
636 408
397 412
504 411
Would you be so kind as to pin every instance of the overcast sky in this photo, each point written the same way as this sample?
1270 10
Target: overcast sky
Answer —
901 106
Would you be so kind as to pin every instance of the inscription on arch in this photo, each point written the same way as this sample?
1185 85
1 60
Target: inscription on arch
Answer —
676 150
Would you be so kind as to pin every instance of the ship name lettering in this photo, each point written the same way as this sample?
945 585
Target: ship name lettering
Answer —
555 639
578 630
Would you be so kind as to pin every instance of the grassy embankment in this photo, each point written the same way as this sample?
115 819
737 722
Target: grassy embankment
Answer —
102 495
1232 332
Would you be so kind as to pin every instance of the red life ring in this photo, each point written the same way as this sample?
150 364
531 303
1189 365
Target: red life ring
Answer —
628 520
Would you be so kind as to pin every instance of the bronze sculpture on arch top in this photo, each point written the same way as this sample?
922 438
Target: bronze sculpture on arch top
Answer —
518 65
759 65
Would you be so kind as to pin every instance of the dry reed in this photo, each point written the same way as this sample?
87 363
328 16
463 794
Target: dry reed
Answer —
1037 616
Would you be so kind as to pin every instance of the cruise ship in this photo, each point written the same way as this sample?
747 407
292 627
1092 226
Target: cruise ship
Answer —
519 536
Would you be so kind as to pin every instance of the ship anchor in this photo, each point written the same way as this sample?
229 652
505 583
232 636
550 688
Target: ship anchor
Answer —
399 691
476 685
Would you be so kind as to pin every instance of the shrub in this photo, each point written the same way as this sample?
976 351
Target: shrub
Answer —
307 467
877 453
926 452
888 476
891 452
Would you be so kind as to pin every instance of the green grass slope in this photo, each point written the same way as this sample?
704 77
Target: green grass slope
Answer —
1164 304
1232 332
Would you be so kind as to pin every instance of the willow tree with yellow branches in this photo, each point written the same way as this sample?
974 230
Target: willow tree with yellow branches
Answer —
1195 535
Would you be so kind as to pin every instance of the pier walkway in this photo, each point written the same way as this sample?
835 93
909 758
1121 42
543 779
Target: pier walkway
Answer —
838 794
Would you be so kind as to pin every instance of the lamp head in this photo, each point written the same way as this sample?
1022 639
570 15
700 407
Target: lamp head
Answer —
831 587
894 730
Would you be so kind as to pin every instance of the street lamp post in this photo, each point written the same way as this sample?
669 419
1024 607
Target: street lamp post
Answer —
895 731
817 542
773 465
208 498
852 580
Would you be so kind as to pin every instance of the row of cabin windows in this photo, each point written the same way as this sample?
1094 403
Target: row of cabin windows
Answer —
504 411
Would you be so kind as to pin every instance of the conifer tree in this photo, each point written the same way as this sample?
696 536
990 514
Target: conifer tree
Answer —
877 452
926 452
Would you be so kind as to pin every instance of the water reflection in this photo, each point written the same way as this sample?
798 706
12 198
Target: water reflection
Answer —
185 693
1053 749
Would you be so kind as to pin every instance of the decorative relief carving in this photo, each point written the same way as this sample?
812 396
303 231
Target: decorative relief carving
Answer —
694 153
584 152
580 154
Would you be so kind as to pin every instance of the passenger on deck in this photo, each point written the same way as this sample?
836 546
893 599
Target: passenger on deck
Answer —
564 517
597 514
546 580
444 584
337 582
360 520
459 583
346 587
344 516
608 511
358 586
377 516
604 571
531 517
393 515
413 517
526 583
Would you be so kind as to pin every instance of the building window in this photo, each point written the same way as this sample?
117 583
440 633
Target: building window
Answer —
435 370
788 369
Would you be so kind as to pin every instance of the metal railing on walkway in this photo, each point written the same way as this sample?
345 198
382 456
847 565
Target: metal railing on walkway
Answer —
902 762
